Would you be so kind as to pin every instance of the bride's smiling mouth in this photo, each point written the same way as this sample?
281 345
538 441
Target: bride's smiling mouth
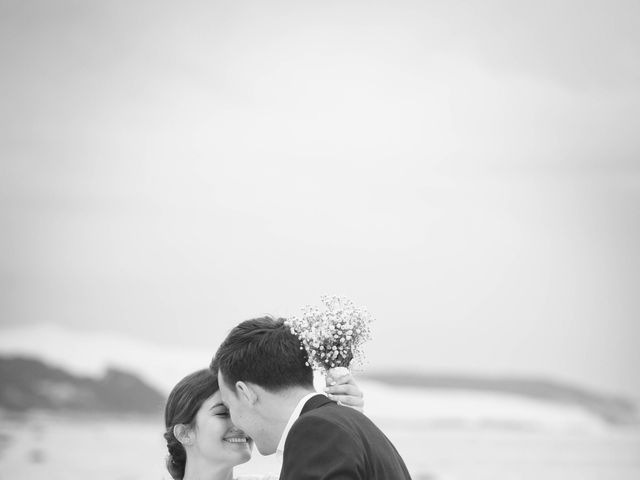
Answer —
237 439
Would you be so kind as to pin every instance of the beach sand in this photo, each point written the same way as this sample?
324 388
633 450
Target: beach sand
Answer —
50 447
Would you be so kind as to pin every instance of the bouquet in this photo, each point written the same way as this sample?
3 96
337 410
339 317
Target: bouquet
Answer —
332 338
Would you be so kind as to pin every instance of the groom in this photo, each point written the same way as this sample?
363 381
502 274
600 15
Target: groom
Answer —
269 391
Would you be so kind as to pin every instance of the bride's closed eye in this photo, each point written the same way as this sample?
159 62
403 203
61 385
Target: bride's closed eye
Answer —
219 410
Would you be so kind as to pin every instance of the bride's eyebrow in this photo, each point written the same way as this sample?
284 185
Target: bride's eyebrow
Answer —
218 405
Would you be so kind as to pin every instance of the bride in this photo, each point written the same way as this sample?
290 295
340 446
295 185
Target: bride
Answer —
203 444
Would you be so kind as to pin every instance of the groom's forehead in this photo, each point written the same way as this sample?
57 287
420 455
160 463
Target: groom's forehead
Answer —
223 385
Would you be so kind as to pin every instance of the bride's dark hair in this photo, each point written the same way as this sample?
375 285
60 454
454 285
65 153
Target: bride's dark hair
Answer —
183 403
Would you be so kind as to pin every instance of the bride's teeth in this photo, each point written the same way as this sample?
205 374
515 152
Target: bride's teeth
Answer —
236 440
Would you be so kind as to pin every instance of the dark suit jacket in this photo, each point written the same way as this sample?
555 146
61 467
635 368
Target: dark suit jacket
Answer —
332 442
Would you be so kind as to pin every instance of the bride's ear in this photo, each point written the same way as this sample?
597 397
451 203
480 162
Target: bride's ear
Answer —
246 392
182 433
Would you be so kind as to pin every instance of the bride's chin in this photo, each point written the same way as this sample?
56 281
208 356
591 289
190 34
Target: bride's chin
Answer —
244 455
244 459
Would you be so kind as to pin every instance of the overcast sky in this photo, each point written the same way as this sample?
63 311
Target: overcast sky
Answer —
469 171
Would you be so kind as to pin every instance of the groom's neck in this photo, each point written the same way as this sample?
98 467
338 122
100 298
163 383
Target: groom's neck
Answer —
292 396
284 403
274 410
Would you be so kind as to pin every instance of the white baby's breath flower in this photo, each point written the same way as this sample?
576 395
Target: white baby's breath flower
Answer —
334 337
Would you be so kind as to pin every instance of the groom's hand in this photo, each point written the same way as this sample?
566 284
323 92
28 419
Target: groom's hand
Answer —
345 391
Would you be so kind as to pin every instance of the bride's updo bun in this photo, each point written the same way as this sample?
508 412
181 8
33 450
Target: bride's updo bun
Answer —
177 458
183 403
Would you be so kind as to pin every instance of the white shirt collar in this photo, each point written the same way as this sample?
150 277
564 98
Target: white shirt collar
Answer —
292 419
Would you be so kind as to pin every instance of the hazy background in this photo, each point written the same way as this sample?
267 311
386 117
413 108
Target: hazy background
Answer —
469 171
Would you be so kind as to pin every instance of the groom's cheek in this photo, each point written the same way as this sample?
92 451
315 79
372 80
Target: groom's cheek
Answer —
234 418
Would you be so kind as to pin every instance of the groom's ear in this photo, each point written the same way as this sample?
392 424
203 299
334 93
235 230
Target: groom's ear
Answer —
246 392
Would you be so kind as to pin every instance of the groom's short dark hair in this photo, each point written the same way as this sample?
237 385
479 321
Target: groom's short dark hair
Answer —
265 352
